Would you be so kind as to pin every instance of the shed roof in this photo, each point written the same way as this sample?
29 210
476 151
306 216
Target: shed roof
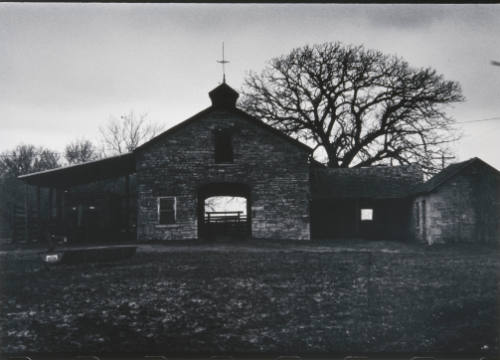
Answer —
376 182
87 172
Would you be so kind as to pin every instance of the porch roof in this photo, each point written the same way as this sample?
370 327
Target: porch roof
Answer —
91 171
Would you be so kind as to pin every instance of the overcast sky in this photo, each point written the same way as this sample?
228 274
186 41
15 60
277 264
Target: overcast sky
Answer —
66 68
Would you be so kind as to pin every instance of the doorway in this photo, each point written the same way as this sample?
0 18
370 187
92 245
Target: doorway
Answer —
224 211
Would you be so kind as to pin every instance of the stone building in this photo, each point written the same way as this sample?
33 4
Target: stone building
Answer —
223 151
460 204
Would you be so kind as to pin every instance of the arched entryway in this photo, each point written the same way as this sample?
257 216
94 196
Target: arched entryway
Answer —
215 222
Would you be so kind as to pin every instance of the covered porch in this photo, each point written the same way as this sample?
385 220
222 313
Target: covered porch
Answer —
89 203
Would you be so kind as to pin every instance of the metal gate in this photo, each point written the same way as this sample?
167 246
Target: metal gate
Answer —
226 224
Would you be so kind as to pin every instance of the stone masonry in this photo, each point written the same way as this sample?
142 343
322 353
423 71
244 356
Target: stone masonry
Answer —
464 209
179 163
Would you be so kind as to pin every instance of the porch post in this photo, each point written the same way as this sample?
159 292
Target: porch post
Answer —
58 205
39 213
357 217
69 227
63 216
49 222
50 203
127 206
63 205
59 195
26 235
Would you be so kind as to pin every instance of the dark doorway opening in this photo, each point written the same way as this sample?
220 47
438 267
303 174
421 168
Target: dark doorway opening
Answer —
95 217
369 219
224 211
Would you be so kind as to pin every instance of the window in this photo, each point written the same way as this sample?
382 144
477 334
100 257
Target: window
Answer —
166 210
223 147
366 214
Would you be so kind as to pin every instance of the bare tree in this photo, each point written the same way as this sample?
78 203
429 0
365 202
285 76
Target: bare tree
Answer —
80 151
21 160
126 134
25 159
360 107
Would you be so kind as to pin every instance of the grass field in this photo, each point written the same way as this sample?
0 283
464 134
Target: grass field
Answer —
244 299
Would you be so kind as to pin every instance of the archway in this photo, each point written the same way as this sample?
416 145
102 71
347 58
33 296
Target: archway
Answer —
227 213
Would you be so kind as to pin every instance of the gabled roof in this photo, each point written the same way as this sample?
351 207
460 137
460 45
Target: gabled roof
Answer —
375 182
448 173
90 171
224 97
210 109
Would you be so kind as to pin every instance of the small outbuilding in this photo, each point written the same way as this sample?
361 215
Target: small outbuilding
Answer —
459 204
222 151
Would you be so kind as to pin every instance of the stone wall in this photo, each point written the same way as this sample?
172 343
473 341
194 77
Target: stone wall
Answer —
276 171
464 209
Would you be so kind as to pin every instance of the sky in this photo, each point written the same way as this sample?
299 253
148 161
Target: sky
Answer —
65 69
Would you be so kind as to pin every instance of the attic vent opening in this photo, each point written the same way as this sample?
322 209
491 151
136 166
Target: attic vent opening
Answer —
223 147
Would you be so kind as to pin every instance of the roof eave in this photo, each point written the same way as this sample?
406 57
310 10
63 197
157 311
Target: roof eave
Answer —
87 172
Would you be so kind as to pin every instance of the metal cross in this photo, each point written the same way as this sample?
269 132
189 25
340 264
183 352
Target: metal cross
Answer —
223 62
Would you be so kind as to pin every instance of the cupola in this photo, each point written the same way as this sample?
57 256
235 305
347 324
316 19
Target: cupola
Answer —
224 96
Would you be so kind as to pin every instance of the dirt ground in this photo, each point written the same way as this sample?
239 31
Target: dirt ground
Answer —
256 297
